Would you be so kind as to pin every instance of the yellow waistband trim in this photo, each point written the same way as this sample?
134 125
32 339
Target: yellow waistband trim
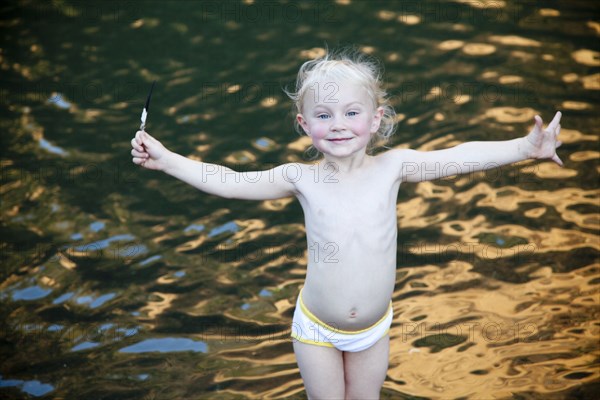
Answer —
324 344
308 341
314 318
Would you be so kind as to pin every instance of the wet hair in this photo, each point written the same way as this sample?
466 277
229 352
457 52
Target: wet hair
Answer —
355 66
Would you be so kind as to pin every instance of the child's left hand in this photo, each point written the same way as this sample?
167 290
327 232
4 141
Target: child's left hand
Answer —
542 143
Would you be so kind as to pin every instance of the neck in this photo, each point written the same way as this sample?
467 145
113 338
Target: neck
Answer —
347 165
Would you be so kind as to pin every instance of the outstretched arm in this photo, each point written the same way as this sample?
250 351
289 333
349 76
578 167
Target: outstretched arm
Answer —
211 178
540 143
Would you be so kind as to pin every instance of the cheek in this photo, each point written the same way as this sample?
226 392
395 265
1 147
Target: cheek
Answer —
318 141
363 127
317 135
318 131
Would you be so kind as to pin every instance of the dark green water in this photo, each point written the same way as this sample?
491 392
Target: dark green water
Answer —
122 283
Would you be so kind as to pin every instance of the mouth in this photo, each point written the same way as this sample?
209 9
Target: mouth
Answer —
338 140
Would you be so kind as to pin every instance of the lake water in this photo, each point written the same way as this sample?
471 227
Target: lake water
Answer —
123 283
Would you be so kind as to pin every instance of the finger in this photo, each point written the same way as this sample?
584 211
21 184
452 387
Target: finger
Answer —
137 160
558 129
555 121
135 145
148 141
539 125
139 154
557 160
558 144
149 138
138 137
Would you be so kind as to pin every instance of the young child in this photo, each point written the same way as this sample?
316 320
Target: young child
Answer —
344 311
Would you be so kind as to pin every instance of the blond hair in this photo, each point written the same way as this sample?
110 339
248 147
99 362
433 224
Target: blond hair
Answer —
355 66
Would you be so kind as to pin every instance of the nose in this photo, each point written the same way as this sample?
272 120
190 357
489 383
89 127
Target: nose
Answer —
337 124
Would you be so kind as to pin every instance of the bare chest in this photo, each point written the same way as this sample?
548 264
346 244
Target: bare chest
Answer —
352 206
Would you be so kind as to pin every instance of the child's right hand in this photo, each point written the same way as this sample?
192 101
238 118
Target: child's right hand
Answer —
148 152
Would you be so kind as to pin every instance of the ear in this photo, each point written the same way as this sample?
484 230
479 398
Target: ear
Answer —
302 123
377 116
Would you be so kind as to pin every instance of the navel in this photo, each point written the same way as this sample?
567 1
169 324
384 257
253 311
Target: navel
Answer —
353 312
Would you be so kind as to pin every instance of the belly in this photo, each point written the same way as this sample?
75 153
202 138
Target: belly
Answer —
350 296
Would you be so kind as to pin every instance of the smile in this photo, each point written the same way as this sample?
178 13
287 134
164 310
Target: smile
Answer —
339 140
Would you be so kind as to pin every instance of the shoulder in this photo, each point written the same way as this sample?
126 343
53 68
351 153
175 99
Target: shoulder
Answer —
294 168
393 157
397 161
294 172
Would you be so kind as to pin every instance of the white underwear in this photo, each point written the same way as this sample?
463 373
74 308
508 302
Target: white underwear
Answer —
307 328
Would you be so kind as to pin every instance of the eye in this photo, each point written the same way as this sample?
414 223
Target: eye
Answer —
323 116
352 113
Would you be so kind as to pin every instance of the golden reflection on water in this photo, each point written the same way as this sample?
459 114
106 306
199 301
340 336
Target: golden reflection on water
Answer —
591 82
585 155
506 332
509 114
478 49
158 304
514 40
587 57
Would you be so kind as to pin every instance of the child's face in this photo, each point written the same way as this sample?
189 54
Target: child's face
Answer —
339 116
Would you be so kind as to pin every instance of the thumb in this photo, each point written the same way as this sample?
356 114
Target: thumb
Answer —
149 139
557 160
